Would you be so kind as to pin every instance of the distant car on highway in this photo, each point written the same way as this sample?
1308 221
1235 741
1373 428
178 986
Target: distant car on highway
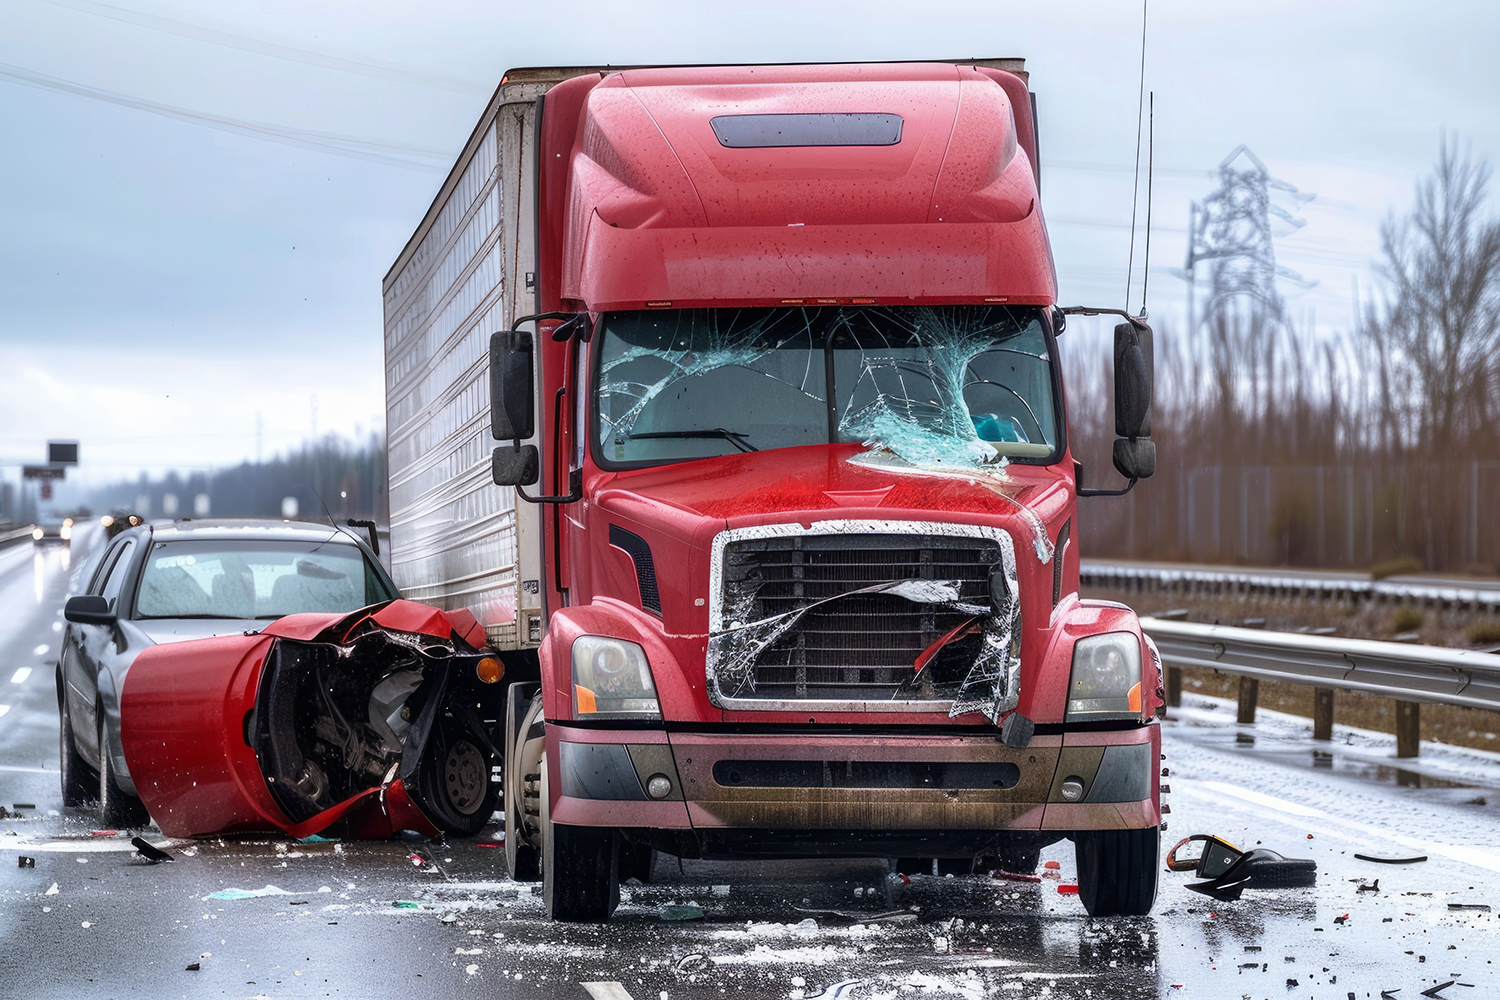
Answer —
53 530
171 581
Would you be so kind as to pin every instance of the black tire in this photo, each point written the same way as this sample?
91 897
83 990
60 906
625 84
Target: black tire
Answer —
580 868
1019 861
117 810
522 859
1117 870
636 861
79 782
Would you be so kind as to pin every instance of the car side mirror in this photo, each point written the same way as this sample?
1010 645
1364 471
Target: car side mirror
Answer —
511 401
88 609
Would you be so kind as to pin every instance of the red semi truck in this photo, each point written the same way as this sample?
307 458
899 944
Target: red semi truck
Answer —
779 543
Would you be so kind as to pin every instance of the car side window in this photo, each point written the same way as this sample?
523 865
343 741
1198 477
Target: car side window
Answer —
117 572
101 570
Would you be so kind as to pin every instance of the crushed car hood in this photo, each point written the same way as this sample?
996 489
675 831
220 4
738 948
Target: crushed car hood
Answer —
316 720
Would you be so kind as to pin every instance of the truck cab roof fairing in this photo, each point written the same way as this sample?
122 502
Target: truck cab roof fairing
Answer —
659 210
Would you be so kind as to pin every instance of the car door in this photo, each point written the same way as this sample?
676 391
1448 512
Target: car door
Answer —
70 658
94 644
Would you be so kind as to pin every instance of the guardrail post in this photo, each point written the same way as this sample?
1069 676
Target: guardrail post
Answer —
1322 713
1249 692
1174 687
1408 728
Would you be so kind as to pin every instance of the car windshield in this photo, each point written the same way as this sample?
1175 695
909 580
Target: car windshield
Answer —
255 579
947 385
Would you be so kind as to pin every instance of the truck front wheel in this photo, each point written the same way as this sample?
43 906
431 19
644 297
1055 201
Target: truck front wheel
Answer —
580 867
1117 870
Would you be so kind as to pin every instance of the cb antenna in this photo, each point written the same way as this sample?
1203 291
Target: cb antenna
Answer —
1135 194
1150 173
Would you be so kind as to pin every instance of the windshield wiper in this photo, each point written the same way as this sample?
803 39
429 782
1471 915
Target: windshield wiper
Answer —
738 440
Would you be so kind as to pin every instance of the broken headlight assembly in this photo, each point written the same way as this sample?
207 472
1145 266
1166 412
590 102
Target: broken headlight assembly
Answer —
612 680
1106 679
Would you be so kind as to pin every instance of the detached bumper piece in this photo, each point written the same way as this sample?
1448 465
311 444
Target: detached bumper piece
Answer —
374 720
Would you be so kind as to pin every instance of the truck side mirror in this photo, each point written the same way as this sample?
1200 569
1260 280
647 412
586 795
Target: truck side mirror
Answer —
511 405
88 609
513 465
1134 451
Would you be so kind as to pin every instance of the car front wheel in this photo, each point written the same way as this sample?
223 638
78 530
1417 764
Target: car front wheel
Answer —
117 810
77 777
1117 870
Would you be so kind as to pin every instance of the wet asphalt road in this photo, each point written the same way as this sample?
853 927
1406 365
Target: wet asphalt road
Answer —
359 920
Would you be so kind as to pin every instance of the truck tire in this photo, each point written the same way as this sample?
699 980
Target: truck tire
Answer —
580 867
79 783
117 810
522 858
1117 870
636 861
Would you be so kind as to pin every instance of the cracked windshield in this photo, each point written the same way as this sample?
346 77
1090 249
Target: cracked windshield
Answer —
932 385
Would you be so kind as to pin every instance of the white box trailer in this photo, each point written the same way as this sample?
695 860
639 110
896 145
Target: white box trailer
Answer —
457 539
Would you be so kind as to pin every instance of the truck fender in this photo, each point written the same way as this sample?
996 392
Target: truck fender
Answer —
621 621
1044 699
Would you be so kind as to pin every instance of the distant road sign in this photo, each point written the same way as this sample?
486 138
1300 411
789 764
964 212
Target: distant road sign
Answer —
41 472
62 452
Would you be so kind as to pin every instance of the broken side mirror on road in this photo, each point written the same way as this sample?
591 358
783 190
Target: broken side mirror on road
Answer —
1228 871
88 609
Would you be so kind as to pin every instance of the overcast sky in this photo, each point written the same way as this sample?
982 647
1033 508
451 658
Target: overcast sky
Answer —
198 201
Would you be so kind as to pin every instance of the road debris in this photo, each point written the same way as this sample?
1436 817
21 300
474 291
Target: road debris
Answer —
234 894
673 913
193 967
1068 889
150 852
1481 907
1014 876
1392 861
1227 871
24 862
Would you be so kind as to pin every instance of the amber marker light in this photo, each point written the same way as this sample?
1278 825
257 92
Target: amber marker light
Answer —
489 670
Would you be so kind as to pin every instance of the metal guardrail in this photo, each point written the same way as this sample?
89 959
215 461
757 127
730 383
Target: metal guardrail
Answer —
1418 674
1222 583
20 534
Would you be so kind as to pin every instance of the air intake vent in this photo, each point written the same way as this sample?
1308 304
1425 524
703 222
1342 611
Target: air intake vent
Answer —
645 569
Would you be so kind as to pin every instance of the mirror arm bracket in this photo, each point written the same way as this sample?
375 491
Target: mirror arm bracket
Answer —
1085 492
574 494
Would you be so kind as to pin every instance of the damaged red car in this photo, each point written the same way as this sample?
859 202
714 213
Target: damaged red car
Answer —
375 722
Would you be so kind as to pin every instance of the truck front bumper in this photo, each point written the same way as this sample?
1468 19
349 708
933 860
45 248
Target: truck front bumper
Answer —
811 781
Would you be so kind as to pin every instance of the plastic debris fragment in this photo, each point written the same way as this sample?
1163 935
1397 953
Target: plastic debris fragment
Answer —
193 967
673 913
1014 876
24 862
151 853
1068 889
234 894
1392 861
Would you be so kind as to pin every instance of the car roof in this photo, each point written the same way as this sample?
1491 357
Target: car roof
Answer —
248 529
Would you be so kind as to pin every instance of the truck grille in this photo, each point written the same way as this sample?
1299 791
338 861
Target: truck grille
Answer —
857 647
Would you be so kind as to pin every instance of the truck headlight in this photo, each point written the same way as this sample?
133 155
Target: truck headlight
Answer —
612 680
1106 681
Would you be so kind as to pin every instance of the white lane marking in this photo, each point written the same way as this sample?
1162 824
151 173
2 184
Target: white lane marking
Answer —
40 650
19 677
607 991
1268 801
4 709
27 770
